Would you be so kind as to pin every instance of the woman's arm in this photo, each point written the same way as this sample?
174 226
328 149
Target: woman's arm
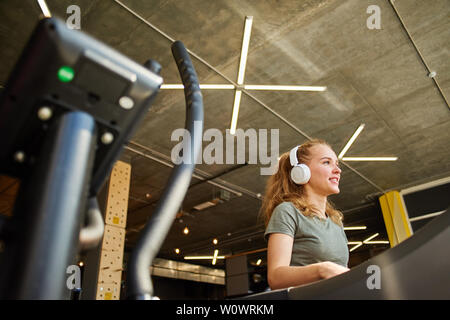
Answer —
281 275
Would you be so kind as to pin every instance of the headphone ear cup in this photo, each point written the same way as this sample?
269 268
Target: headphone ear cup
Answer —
300 174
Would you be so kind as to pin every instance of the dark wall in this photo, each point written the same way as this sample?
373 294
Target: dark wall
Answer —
427 201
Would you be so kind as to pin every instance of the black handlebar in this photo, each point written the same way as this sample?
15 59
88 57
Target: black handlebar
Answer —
139 284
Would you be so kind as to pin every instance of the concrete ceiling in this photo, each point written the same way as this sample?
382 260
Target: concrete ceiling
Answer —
373 76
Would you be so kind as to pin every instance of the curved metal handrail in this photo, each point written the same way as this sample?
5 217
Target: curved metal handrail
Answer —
139 284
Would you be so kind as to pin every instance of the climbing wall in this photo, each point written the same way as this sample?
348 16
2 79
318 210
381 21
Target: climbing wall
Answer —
111 258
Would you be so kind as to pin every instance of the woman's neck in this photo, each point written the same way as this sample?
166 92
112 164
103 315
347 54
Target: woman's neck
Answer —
318 202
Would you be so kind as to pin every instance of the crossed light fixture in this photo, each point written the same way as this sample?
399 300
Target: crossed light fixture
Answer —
213 258
366 241
240 80
351 141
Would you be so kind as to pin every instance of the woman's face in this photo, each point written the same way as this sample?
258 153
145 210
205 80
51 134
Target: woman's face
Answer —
325 172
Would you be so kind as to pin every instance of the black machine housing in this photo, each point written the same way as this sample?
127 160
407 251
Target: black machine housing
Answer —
102 76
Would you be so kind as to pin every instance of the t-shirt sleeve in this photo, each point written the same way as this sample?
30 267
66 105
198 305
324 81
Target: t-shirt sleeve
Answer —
345 235
282 221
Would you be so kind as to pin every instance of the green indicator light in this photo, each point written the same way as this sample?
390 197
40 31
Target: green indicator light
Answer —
65 74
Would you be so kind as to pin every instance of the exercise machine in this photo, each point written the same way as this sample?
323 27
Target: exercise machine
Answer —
418 268
70 105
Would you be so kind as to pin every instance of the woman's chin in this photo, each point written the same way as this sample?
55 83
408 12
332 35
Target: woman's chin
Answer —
335 190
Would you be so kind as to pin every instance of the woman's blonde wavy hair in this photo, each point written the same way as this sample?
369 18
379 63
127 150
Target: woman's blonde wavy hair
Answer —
280 188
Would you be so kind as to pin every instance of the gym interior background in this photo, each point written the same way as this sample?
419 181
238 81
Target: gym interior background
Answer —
386 71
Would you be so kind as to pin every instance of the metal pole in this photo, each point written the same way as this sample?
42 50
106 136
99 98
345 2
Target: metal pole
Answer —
49 212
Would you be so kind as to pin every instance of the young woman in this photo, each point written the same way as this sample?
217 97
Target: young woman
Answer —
306 239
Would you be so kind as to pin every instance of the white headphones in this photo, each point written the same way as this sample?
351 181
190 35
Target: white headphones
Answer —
300 172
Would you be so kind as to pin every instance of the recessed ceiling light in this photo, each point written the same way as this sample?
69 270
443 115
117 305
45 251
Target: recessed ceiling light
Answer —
177 251
216 252
202 257
44 8
202 86
369 158
206 204
240 79
366 241
215 241
244 49
356 228
172 86
377 242
241 72
186 230
217 86
284 88
352 139
356 247
371 237
234 118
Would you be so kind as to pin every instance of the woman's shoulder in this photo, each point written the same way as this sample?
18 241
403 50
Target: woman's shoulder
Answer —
286 206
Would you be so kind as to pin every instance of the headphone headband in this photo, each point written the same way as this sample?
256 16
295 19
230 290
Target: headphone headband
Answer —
293 156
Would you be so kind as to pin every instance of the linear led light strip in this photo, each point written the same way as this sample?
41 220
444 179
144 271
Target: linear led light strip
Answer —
356 228
427 216
44 8
202 257
370 158
248 87
351 141
367 241
241 72
202 86
216 252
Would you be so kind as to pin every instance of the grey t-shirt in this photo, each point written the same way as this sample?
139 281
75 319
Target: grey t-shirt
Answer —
315 239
